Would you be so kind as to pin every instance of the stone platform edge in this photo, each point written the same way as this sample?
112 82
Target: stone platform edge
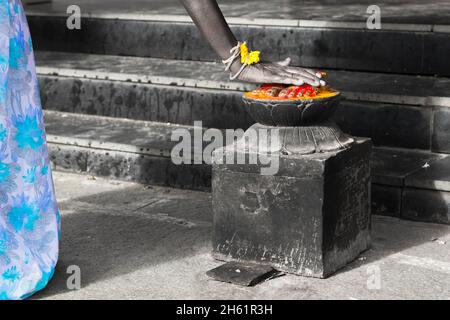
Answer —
300 23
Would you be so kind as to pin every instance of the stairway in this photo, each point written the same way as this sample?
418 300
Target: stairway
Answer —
114 91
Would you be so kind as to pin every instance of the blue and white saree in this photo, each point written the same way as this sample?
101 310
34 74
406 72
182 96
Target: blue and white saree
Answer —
29 218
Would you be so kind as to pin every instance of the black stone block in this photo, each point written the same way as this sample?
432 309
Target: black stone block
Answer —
426 205
65 158
386 200
311 218
127 166
434 176
441 130
244 274
386 124
391 166
436 47
174 104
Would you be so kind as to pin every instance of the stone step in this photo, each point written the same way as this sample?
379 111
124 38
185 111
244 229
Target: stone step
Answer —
129 150
407 184
410 48
394 110
411 184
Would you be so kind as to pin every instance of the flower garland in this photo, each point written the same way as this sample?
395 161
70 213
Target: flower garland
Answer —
247 58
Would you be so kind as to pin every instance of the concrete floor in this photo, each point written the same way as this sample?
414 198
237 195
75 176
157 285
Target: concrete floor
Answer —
392 11
136 242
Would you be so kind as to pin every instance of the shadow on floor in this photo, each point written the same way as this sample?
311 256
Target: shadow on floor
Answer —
105 239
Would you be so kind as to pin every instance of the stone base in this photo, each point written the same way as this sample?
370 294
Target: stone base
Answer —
323 137
311 218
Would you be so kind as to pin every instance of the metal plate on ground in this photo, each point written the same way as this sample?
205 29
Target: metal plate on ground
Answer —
243 273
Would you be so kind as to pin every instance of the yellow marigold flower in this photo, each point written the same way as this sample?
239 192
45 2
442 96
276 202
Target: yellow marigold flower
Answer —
253 57
248 58
244 52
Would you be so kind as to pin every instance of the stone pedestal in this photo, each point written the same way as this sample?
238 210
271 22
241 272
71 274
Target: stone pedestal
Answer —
310 218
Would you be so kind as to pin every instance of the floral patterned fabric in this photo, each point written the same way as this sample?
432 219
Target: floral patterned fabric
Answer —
29 217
